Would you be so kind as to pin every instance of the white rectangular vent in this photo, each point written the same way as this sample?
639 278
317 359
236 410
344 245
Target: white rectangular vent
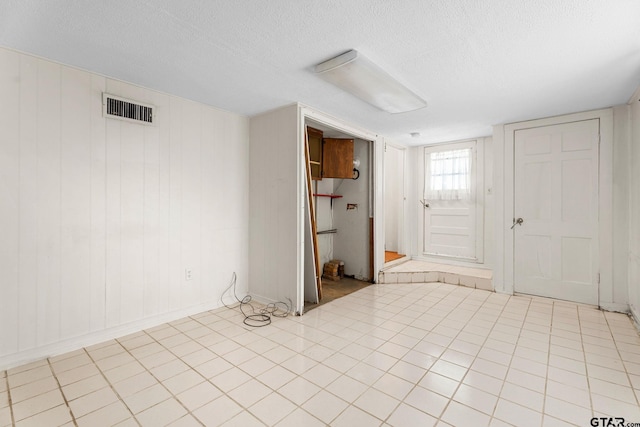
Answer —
116 107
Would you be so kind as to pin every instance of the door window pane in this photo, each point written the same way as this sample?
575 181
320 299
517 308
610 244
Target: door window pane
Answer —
449 175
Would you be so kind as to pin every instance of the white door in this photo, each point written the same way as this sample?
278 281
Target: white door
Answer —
556 196
393 199
449 201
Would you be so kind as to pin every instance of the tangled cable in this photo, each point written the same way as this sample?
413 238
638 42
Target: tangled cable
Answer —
257 318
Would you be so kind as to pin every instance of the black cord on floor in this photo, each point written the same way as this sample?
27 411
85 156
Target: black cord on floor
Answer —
257 318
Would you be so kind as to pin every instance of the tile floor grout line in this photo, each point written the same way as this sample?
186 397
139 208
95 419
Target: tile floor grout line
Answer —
324 388
66 402
626 371
224 393
515 346
297 406
13 420
453 290
546 383
368 387
586 365
447 347
161 382
246 408
491 416
110 386
444 409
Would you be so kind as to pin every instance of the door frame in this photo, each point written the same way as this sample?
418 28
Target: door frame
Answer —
479 171
504 160
376 209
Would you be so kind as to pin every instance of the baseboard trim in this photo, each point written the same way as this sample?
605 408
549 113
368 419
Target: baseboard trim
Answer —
615 307
49 350
635 316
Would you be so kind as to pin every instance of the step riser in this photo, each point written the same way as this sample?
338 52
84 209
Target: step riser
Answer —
435 276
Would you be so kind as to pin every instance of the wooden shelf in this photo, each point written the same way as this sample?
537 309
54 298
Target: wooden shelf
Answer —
332 231
330 196
333 196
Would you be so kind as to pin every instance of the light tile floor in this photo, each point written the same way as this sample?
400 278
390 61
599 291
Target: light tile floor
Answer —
401 355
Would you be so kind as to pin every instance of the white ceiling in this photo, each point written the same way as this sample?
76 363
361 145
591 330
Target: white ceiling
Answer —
476 63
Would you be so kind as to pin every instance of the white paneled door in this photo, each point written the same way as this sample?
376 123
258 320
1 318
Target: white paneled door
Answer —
555 221
449 201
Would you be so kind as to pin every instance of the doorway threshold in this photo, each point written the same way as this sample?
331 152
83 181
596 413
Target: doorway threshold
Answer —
390 256
397 261
333 290
416 271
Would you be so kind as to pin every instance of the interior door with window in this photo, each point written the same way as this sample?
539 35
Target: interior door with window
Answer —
556 211
449 211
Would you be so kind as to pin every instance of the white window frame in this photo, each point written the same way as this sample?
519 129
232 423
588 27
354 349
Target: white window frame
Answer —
458 192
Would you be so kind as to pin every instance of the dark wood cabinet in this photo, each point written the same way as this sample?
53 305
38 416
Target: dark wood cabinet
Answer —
329 157
314 137
337 158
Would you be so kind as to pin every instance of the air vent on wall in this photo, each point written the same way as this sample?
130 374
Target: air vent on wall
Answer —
116 107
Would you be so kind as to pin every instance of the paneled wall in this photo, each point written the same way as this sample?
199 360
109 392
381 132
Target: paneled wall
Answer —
101 217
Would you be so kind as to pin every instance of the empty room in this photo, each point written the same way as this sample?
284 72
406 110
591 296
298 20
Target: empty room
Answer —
320 213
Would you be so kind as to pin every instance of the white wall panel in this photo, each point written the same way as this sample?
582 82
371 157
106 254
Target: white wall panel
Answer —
233 205
621 213
393 196
176 272
131 221
75 201
151 218
191 197
97 142
161 289
101 217
48 224
27 337
634 209
113 245
210 163
9 199
273 253
351 243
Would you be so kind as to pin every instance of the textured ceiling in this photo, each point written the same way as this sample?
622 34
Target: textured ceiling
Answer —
476 63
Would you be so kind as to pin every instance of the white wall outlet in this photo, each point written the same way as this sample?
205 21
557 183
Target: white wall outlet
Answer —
188 274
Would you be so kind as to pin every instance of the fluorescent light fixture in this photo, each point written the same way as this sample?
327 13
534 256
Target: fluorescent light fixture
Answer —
355 74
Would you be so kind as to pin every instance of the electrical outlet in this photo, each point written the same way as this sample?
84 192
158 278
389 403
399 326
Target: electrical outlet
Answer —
188 274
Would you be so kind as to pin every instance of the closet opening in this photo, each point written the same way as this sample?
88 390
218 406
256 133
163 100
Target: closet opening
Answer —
338 213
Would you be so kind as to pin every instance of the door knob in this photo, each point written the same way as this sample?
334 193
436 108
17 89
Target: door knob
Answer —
425 204
518 221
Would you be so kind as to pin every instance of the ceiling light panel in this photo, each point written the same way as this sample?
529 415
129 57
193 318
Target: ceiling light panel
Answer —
357 75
